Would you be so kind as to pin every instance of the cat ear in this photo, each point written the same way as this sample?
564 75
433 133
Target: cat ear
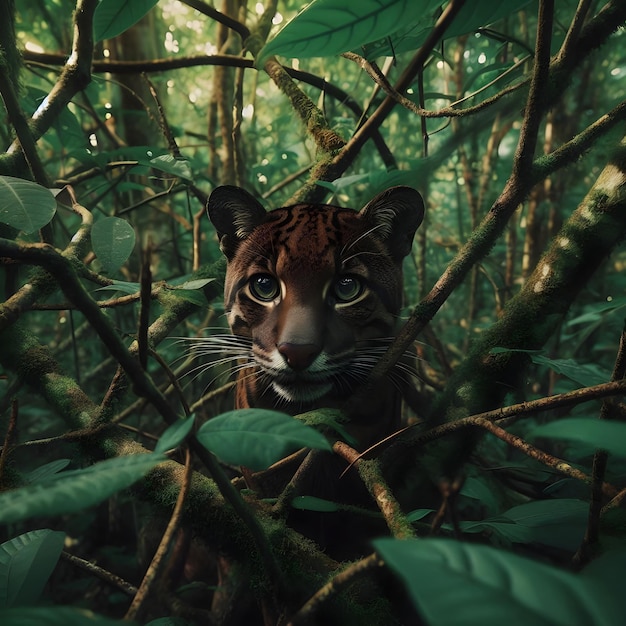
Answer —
235 214
394 215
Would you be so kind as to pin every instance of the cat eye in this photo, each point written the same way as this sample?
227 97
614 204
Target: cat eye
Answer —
264 287
348 288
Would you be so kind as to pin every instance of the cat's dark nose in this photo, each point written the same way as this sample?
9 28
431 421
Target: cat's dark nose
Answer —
299 355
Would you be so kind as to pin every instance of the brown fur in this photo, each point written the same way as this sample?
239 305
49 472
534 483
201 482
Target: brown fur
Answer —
310 347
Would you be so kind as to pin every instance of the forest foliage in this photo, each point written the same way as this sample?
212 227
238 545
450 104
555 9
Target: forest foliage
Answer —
504 497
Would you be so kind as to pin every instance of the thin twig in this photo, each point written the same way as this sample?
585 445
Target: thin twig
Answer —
338 582
106 576
370 474
149 579
561 466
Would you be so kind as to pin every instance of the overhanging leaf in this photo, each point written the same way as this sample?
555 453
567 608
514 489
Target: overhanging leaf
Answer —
46 471
174 435
257 438
72 491
599 434
24 205
311 503
171 165
586 374
113 239
113 17
448 579
329 27
26 563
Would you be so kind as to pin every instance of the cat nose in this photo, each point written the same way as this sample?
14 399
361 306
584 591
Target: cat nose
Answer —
299 355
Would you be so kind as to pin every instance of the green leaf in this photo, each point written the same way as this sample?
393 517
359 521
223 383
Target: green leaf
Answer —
26 563
198 283
113 17
586 374
473 15
558 523
447 579
418 514
599 434
311 503
113 240
174 435
55 616
46 471
191 295
171 165
121 285
257 438
25 205
328 418
72 491
413 33
328 27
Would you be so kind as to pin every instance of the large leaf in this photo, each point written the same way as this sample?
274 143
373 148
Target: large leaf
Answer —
598 434
46 471
55 616
453 583
113 17
586 374
412 34
26 563
174 435
72 491
558 523
24 205
113 239
171 165
257 438
329 27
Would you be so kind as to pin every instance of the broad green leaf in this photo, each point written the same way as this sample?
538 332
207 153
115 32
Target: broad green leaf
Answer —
453 583
311 503
26 563
72 491
597 311
113 240
121 285
46 471
174 435
199 283
586 374
329 27
473 15
342 183
55 616
113 17
419 514
328 418
599 434
25 205
559 523
412 34
171 165
191 295
257 438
